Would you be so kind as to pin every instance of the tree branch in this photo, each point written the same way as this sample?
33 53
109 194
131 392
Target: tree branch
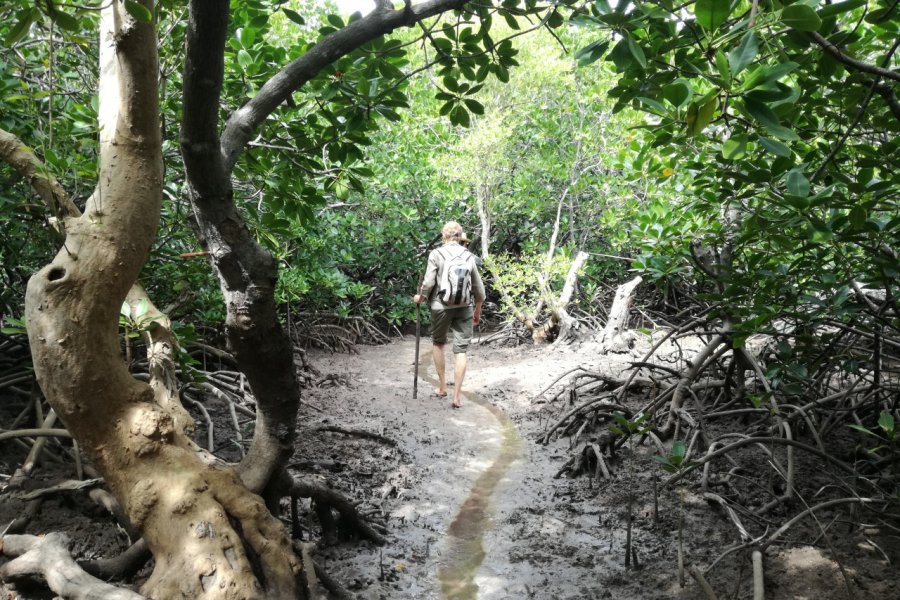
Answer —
21 158
851 62
243 122
890 97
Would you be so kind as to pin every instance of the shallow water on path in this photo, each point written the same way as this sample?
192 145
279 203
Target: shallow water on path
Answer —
464 546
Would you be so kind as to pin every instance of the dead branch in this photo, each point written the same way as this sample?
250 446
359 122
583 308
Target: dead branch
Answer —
357 433
701 581
8 435
597 404
809 511
617 322
109 502
71 485
756 440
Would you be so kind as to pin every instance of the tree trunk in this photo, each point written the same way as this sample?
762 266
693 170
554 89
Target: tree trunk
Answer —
560 323
611 337
183 502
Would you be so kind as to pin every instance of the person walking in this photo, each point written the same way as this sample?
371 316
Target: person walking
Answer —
455 293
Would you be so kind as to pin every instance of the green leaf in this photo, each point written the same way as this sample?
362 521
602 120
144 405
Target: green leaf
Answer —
336 21
26 19
699 117
765 74
797 183
776 148
862 429
636 51
142 307
678 449
839 8
858 216
886 421
820 232
654 106
602 7
591 53
555 20
474 106
678 93
460 116
735 148
712 13
244 58
64 20
743 55
621 56
247 35
722 66
801 17
138 11
768 119
294 16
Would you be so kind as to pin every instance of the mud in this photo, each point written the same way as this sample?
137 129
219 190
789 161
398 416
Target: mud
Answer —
472 506
480 514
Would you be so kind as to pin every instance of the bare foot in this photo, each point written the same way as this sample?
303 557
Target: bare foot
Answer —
440 393
455 405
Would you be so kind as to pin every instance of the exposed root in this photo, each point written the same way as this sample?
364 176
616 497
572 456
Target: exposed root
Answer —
327 500
48 557
740 421
121 567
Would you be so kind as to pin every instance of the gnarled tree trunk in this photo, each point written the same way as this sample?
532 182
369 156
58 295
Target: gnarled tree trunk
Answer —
185 504
210 534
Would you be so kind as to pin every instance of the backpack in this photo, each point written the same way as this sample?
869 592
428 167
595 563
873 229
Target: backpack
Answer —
455 278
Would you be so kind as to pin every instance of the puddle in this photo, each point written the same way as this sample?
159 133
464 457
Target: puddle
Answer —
464 545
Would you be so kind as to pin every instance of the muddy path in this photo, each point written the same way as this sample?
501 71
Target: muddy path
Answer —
473 514
472 506
462 468
474 511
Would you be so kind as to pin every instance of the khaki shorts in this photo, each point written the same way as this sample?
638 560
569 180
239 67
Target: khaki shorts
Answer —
458 320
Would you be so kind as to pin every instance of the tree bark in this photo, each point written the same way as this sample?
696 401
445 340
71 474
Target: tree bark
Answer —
180 498
617 322
247 272
48 556
559 325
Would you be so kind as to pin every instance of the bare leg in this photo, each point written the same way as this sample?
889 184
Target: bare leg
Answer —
459 374
437 353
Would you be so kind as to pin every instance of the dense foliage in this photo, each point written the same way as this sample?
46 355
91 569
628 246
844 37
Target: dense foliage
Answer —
771 138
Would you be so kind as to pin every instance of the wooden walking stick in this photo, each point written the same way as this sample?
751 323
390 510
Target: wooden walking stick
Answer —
418 336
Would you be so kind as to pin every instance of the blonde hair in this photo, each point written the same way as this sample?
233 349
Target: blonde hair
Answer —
452 231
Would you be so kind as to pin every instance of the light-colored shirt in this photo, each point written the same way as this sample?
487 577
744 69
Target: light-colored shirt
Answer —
435 262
